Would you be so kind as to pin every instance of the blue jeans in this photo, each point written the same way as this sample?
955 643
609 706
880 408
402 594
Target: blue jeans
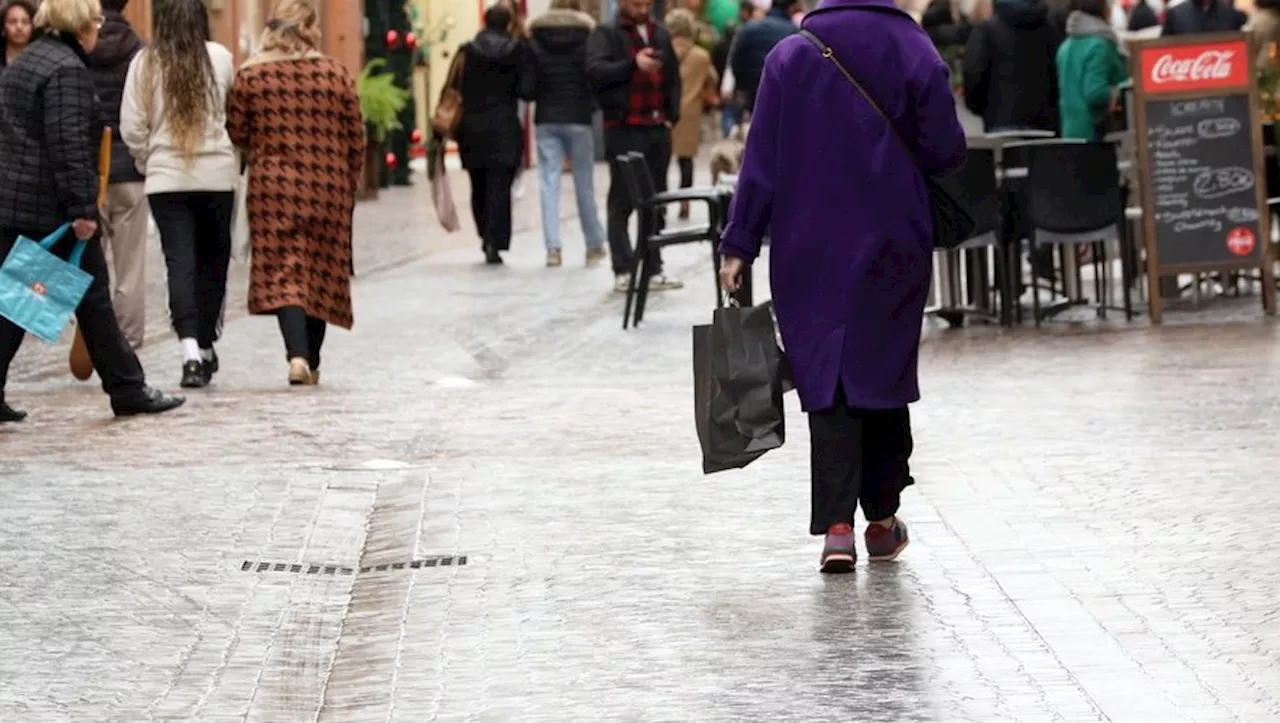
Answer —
728 118
555 142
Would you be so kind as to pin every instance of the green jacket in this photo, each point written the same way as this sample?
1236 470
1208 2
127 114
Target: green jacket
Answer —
1090 66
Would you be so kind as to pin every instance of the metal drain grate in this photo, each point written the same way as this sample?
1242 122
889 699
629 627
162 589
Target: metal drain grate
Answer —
315 569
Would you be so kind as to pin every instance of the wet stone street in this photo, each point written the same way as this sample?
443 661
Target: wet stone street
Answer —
492 510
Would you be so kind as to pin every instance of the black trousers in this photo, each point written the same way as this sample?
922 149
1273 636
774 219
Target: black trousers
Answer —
686 172
491 205
655 143
113 358
303 334
857 455
195 233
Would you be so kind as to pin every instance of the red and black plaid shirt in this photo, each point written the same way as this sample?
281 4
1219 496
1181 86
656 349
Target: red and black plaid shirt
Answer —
646 103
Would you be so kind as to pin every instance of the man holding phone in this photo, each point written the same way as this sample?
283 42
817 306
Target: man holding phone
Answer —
634 72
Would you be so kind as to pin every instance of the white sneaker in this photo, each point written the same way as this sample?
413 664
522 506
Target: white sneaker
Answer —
662 282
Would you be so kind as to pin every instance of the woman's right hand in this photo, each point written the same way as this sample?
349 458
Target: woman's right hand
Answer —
731 273
84 228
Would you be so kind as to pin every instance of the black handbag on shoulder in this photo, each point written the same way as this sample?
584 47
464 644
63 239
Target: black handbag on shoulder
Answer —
952 222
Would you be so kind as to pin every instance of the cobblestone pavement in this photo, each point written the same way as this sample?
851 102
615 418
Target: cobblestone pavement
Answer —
398 227
1092 527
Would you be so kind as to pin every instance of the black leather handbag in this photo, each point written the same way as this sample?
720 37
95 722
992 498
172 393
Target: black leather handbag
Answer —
952 222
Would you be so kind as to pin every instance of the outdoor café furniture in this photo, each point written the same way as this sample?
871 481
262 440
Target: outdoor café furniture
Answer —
652 237
962 275
1075 197
726 184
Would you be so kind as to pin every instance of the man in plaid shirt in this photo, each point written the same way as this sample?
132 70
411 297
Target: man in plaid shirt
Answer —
636 76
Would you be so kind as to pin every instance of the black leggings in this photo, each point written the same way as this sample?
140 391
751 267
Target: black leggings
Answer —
195 233
303 334
686 171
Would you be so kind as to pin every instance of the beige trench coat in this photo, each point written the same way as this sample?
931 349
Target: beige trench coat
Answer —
697 79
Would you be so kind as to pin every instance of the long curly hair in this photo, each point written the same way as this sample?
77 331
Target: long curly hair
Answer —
179 61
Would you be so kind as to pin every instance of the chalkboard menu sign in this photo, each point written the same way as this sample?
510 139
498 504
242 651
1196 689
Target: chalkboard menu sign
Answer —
1199 151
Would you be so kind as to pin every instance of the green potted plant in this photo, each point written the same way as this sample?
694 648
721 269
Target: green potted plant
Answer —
381 101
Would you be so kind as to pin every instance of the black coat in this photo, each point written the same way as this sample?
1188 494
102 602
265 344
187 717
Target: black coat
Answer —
720 53
1010 68
496 75
1192 17
610 66
1142 17
944 30
558 41
109 64
49 127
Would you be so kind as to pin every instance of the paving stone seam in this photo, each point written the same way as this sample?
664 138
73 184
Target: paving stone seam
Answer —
284 611
393 530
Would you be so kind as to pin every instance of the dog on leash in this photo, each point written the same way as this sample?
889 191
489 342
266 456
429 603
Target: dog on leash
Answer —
726 154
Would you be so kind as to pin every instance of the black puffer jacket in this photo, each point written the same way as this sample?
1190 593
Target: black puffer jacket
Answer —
496 74
1010 67
48 129
109 63
558 39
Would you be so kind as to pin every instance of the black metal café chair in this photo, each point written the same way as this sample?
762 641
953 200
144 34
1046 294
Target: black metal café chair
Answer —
1074 198
1012 160
961 274
651 236
1271 164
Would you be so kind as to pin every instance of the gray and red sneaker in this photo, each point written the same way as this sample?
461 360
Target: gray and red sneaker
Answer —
838 554
886 544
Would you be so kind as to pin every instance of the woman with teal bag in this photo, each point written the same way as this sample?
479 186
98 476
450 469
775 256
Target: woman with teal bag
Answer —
48 177
1091 67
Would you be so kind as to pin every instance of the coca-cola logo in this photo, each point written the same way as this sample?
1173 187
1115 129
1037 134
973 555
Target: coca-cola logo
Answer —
1198 66
1209 65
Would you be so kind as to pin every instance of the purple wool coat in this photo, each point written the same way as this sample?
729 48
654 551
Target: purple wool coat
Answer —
844 201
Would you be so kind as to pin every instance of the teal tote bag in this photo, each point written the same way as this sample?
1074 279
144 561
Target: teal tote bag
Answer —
39 291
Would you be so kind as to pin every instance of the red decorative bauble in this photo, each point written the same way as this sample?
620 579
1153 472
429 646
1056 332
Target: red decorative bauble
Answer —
410 41
392 161
416 136
393 39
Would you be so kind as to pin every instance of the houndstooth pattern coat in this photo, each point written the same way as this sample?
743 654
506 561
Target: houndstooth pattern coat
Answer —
299 119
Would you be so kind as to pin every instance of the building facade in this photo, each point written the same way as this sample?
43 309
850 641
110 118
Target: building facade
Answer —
238 24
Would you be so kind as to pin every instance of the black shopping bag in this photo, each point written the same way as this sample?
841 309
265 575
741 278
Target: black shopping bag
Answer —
738 387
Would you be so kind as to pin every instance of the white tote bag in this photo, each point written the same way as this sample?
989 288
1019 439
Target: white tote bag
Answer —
240 221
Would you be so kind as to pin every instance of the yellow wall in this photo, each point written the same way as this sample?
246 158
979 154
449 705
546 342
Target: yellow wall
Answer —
458 21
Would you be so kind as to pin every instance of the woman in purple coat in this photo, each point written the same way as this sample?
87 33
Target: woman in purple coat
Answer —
842 197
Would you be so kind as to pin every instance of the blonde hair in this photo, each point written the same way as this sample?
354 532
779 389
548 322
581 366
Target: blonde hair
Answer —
681 23
294 27
68 16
